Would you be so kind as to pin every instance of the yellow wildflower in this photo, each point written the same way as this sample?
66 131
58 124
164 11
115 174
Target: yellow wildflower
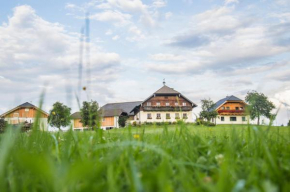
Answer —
53 113
136 136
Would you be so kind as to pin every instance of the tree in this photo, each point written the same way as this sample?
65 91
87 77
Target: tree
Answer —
207 110
3 125
90 115
122 121
259 105
59 115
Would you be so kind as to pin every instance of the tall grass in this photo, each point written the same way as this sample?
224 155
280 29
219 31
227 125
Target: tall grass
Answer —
168 158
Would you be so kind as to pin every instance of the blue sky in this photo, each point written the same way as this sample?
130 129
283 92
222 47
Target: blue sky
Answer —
204 49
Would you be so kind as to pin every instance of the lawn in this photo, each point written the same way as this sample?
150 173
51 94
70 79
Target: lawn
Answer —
148 158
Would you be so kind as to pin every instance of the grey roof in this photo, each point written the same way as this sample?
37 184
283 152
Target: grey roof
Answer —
166 90
227 98
26 104
124 107
112 112
76 115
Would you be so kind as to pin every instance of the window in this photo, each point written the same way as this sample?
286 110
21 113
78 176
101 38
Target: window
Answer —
233 118
157 104
158 116
184 116
237 108
241 108
176 104
167 104
15 114
176 115
167 115
26 110
149 116
223 108
166 97
183 104
228 108
148 103
222 118
243 118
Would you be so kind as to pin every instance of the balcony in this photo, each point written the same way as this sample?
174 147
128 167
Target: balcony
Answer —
167 108
231 111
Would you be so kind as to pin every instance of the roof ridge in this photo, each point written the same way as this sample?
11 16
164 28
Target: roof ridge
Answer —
123 102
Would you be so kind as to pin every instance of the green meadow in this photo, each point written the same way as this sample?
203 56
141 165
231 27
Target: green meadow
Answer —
148 158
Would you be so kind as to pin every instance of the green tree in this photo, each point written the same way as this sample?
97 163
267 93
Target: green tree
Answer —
3 125
59 115
90 114
259 106
207 110
122 121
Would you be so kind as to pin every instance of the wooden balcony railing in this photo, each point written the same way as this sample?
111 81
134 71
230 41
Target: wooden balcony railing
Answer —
167 108
231 111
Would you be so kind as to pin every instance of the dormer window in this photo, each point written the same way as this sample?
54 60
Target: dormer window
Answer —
148 103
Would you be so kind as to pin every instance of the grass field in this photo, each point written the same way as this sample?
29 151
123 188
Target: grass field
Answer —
148 158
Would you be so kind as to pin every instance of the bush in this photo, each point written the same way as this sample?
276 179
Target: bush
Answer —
122 121
134 123
206 123
26 126
3 125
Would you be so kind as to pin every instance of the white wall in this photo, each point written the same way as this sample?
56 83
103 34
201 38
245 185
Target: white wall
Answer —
142 115
227 120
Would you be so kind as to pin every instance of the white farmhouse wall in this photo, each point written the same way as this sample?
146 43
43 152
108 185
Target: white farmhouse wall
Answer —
43 125
142 116
227 120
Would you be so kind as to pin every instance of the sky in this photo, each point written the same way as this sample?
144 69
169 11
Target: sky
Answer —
202 48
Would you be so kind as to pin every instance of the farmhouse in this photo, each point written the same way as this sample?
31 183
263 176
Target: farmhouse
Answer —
164 105
112 111
26 112
231 110
110 114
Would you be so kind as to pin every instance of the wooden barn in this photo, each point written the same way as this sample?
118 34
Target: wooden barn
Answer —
26 112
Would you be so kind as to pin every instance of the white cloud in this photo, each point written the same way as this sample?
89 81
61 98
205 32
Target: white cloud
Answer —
166 57
115 17
116 37
34 51
231 1
168 15
159 3
109 32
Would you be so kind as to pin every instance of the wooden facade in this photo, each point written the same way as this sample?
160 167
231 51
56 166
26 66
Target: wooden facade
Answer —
166 103
108 122
25 113
232 108
77 124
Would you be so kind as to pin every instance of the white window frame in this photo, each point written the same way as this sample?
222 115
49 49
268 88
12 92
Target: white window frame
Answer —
184 104
149 104
167 104
158 104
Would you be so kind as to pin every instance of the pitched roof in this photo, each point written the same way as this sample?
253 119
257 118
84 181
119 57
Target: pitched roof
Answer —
124 107
27 105
24 105
76 115
166 90
112 112
227 98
